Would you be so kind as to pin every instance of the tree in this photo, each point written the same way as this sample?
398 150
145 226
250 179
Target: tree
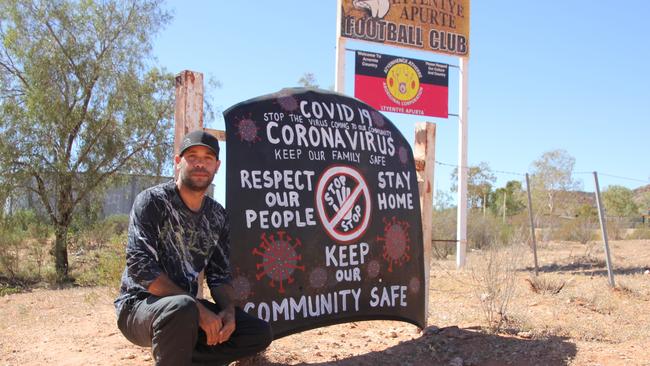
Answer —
552 175
442 200
642 199
513 195
308 80
619 201
479 185
79 100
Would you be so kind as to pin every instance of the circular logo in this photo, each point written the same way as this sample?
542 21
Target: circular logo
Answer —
402 82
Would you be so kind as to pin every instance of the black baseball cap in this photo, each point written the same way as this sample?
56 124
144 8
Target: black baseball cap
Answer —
200 138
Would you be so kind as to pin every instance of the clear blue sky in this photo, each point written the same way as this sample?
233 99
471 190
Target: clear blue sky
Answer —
544 75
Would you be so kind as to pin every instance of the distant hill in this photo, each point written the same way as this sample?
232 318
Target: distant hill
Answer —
641 190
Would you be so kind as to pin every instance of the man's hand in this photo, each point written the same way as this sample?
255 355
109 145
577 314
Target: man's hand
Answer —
223 295
212 324
228 324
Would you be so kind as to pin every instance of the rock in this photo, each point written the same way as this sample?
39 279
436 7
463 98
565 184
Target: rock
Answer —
456 361
393 334
430 330
526 335
453 332
647 272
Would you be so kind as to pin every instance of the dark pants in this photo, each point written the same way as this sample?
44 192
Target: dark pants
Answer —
170 326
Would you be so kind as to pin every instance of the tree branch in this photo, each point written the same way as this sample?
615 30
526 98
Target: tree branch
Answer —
90 145
41 191
63 49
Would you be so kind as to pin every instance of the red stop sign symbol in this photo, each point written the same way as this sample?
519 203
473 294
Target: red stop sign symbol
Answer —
343 203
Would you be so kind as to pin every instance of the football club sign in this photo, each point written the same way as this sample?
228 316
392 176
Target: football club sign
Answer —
427 25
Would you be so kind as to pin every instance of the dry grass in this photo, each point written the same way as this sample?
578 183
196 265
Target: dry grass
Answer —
493 283
546 285
570 298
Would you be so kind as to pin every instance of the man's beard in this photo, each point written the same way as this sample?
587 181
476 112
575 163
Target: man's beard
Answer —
186 179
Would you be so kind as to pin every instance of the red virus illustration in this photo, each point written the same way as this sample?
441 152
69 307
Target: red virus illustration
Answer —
279 258
287 101
373 268
247 130
403 155
318 277
377 119
414 285
396 242
242 287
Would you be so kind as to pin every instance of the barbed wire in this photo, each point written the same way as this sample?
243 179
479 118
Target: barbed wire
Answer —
495 171
616 176
646 181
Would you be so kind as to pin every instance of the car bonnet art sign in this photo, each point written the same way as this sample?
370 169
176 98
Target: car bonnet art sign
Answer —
324 212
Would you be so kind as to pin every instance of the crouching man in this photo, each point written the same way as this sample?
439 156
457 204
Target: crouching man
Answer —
175 231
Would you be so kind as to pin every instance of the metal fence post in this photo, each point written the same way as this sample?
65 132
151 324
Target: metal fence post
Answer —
603 229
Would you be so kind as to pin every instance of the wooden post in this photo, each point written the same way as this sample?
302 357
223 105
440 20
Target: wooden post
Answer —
425 157
188 116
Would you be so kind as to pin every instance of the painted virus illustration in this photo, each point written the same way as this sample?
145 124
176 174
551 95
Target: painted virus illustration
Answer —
242 287
414 285
377 119
287 101
247 130
279 258
318 277
373 268
396 242
403 155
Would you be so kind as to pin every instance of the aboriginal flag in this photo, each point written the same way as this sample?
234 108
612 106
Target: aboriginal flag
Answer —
402 85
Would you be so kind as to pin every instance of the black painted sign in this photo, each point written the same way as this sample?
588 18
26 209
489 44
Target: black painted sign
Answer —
324 212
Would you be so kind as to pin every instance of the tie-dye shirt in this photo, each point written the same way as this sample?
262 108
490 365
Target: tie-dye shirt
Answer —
165 236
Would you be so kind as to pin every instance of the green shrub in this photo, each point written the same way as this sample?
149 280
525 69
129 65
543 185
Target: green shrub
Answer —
104 265
100 233
24 248
9 290
10 252
640 233
443 228
581 229
113 260
615 228
486 231
494 275
22 220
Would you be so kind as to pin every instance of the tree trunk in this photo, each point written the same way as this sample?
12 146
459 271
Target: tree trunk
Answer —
64 208
61 253
484 204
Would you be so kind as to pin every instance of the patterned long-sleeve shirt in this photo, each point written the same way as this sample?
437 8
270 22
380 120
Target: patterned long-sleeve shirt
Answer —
165 236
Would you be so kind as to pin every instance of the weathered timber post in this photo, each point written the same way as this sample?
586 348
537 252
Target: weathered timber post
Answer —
188 116
424 156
